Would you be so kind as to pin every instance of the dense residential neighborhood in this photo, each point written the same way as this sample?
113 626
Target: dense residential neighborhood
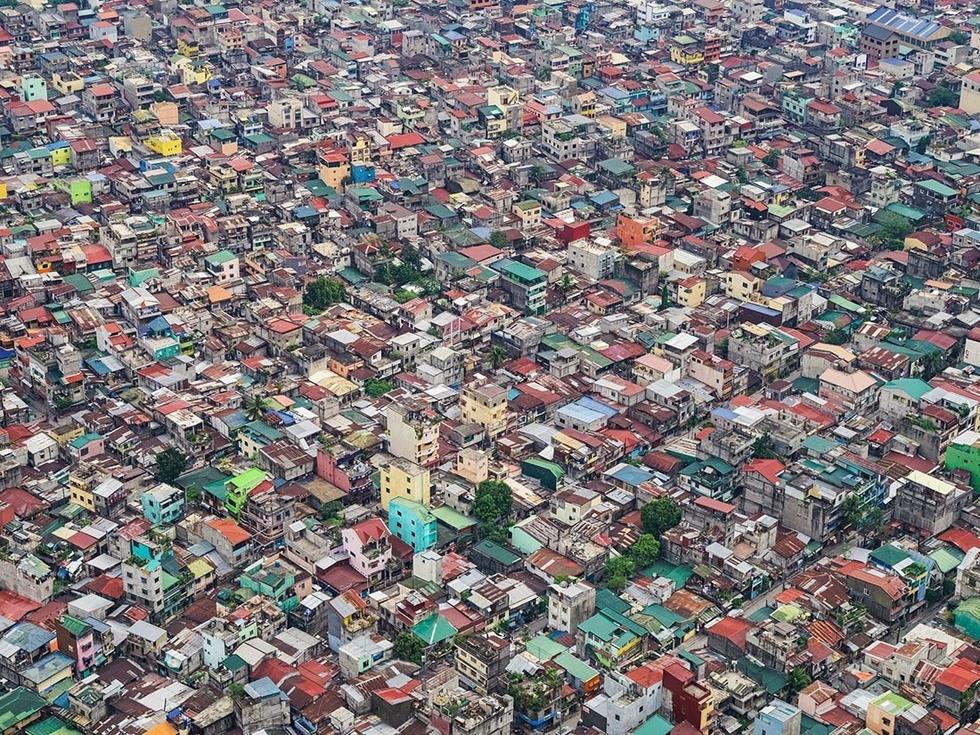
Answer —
579 367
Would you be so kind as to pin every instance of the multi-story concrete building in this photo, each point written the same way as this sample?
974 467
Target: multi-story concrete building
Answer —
569 603
413 431
481 661
928 503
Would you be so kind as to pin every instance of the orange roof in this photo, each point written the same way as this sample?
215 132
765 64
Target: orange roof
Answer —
234 533
646 675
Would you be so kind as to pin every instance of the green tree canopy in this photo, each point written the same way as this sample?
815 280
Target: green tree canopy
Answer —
943 97
498 239
619 569
409 647
171 463
894 229
659 516
323 292
491 507
375 388
645 551
497 356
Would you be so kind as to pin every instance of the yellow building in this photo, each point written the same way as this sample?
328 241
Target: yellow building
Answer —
485 405
691 291
686 51
406 480
165 143
473 465
360 153
80 484
884 711
67 82
61 156
187 48
529 212
334 169
741 286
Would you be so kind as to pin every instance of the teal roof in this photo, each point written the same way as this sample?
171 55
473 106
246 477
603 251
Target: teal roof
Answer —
937 188
543 648
434 629
889 555
84 439
912 387
576 667
675 572
519 270
453 518
496 552
220 257
656 725
606 599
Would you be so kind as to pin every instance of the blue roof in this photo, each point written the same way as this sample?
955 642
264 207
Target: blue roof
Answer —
580 413
595 405
262 688
614 93
631 475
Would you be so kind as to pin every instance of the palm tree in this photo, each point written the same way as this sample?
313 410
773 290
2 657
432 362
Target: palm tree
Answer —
496 357
255 407
566 284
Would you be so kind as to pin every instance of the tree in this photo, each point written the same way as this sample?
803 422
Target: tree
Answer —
660 516
191 495
798 679
498 239
836 336
771 158
255 407
375 388
943 97
618 570
959 37
171 463
329 512
894 229
762 448
665 301
922 145
409 647
645 551
565 285
492 506
933 364
323 292
496 357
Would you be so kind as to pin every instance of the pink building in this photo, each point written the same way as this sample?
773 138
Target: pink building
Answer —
368 545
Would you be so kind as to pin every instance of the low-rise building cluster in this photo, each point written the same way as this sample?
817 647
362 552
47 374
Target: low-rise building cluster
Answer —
402 368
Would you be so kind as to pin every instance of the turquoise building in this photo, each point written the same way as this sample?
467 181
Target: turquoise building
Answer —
413 523
163 504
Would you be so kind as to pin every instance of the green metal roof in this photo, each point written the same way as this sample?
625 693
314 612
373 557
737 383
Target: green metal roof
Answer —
946 559
576 667
453 518
912 387
18 705
543 648
434 629
496 552
937 188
